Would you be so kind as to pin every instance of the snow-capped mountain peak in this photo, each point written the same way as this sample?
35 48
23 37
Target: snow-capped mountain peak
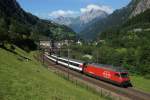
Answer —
92 14
78 23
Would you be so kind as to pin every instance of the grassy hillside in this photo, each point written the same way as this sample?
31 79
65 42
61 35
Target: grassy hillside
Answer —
141 83
28 80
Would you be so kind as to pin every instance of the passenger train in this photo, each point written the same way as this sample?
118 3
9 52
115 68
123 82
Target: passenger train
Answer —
109 73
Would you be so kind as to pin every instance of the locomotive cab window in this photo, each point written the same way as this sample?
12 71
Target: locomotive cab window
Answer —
124 75
117 75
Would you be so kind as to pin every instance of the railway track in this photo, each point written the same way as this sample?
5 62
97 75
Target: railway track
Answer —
130 92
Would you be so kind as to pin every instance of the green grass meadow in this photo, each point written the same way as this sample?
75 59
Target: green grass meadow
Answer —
28 80
141 83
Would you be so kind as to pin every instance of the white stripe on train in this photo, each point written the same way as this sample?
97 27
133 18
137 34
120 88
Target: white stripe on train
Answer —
65 64
66 59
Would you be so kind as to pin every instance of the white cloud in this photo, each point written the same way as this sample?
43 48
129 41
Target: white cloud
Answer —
97 7
63 13
70 13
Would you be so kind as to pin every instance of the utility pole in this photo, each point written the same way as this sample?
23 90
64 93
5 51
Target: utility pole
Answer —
39 49
68 59
97 56
43 55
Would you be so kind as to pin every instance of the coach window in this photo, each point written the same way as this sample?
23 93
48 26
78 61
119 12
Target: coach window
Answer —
74 64
63 61
117 75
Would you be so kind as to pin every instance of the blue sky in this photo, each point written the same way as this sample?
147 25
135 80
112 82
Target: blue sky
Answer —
55 8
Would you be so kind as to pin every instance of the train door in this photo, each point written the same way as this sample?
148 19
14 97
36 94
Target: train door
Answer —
84 66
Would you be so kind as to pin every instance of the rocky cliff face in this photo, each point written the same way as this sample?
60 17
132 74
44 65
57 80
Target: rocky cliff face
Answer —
64 20
91 15
142 6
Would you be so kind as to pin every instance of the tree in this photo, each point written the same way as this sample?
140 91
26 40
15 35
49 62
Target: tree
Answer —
3 30
14 31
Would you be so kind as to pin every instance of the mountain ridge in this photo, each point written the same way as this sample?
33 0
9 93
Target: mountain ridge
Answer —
116 19
78 23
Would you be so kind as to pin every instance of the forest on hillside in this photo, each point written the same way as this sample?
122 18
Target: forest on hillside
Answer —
24 29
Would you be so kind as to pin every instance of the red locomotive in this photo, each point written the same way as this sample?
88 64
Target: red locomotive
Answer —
109 73
115 75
